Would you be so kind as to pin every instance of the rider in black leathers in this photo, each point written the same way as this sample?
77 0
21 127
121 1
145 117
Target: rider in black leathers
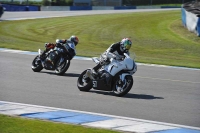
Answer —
118 49
50 46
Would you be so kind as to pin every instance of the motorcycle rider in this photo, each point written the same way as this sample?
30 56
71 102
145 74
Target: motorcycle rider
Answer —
49 46
118 49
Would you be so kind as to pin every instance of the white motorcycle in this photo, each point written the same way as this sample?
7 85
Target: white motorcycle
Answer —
114 75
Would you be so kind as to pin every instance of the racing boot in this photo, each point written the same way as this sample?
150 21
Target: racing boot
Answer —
42 54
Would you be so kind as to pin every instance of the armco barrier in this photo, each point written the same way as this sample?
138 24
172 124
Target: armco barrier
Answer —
170 7
80 8
148 7
10 7
54 8
124 7
68 8
102 8
20 7
74 8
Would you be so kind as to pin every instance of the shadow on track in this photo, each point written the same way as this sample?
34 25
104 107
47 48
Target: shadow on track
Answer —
142 96
66 74
71 75
129 95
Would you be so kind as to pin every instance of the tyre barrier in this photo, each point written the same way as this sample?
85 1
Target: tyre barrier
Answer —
191 17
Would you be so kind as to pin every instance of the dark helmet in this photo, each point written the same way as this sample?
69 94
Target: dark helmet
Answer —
74 39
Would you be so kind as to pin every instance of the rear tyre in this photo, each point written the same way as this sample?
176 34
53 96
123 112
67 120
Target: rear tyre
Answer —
121 88
37 64
84 84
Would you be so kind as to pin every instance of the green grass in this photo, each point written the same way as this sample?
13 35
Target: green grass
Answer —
10 124
158 37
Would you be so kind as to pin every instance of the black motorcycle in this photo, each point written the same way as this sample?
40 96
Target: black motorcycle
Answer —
57 59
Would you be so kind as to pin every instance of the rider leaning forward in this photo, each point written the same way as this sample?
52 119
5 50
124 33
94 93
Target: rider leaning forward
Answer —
117 49
49 46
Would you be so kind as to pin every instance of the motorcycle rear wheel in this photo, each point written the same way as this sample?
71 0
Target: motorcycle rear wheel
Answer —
60 70
37 64
85 85
125 86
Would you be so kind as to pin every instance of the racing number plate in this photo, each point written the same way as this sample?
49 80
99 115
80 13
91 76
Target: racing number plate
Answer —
94 84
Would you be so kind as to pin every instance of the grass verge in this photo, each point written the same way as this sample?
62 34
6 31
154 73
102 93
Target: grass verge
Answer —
12 124
158 37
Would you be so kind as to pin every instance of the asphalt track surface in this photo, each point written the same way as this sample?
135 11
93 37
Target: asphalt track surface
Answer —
163 94
159 93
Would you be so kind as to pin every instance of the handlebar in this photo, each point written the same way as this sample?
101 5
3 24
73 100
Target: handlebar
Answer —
111 55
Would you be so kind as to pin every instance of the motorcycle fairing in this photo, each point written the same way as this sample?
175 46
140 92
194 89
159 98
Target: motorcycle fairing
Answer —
52 58
115 66
100 84
48 65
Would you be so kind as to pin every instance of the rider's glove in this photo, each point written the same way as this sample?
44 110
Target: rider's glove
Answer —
110 55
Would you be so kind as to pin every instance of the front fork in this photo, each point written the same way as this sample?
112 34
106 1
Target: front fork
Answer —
39 52
122 76
89 74
122 82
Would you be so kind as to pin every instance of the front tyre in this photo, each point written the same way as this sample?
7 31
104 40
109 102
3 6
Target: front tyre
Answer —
84 83
121 88
37 64
61 68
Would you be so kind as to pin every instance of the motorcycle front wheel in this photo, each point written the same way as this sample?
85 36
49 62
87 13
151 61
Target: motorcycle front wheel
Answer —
37 64
61 68
84 84
121 88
